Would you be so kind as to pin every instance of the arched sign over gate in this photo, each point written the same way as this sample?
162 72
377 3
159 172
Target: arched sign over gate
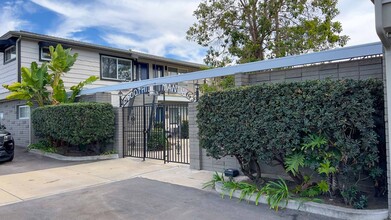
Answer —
170 88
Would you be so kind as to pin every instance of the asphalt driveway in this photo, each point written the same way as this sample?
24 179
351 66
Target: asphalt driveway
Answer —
140 198
25 161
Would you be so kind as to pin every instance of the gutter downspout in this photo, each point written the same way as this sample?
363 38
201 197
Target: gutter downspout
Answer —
19 57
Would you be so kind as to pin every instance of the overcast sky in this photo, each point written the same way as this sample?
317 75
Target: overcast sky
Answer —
152 26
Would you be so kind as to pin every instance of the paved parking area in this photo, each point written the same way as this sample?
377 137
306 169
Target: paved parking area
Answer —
126 188
25 161
141 198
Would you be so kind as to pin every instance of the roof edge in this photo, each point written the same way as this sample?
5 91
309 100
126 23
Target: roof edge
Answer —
36 36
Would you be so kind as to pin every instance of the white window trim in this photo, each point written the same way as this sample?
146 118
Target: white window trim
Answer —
116 58
5 51
19 108
41 53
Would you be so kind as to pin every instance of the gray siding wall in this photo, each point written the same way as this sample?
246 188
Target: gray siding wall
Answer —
355 69
19 128
8 74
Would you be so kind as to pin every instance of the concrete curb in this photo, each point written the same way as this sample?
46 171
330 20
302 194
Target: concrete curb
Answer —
318 208
66 158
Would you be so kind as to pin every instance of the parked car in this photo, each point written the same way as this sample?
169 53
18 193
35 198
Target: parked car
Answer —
6 145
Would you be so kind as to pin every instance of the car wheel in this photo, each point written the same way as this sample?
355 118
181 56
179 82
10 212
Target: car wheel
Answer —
11 158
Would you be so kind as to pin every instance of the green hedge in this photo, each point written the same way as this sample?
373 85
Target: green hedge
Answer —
267 121
76 123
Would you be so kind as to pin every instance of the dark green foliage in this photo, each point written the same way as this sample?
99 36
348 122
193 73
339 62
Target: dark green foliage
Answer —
157 139
361 203
267 122
185 129
349 195
77 124
43 145
353 197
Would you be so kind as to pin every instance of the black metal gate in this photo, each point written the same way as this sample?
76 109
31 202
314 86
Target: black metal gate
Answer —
157 131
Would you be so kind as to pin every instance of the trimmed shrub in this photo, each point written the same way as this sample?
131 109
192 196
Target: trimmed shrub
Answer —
266 122
79 124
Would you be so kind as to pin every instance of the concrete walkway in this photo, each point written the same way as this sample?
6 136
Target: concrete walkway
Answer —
37 184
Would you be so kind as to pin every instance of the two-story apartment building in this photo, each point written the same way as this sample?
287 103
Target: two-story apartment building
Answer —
19 48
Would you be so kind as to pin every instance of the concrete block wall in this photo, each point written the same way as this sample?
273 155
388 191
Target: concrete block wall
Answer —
195 150
353 69
19 128
118 135
198 157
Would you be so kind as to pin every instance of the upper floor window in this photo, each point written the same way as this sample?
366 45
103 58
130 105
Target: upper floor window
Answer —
175 71
44 53
9 54
23 112
172 71
116 68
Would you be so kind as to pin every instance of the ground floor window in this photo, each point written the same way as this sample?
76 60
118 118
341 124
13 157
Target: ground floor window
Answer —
23 112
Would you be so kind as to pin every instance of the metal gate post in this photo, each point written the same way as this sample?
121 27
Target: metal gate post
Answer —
164 128
145 128
124 146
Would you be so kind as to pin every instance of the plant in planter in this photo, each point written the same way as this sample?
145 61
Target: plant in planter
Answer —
277 192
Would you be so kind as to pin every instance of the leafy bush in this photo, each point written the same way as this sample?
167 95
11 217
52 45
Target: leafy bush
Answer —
35 81
267 122
42 145
157 139
77 124
185 129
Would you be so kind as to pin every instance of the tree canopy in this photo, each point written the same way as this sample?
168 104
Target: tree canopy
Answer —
252 30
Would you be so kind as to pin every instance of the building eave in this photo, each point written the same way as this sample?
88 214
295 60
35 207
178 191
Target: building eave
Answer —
41 37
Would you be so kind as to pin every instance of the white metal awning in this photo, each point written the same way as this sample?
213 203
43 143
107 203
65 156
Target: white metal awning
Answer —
318 57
